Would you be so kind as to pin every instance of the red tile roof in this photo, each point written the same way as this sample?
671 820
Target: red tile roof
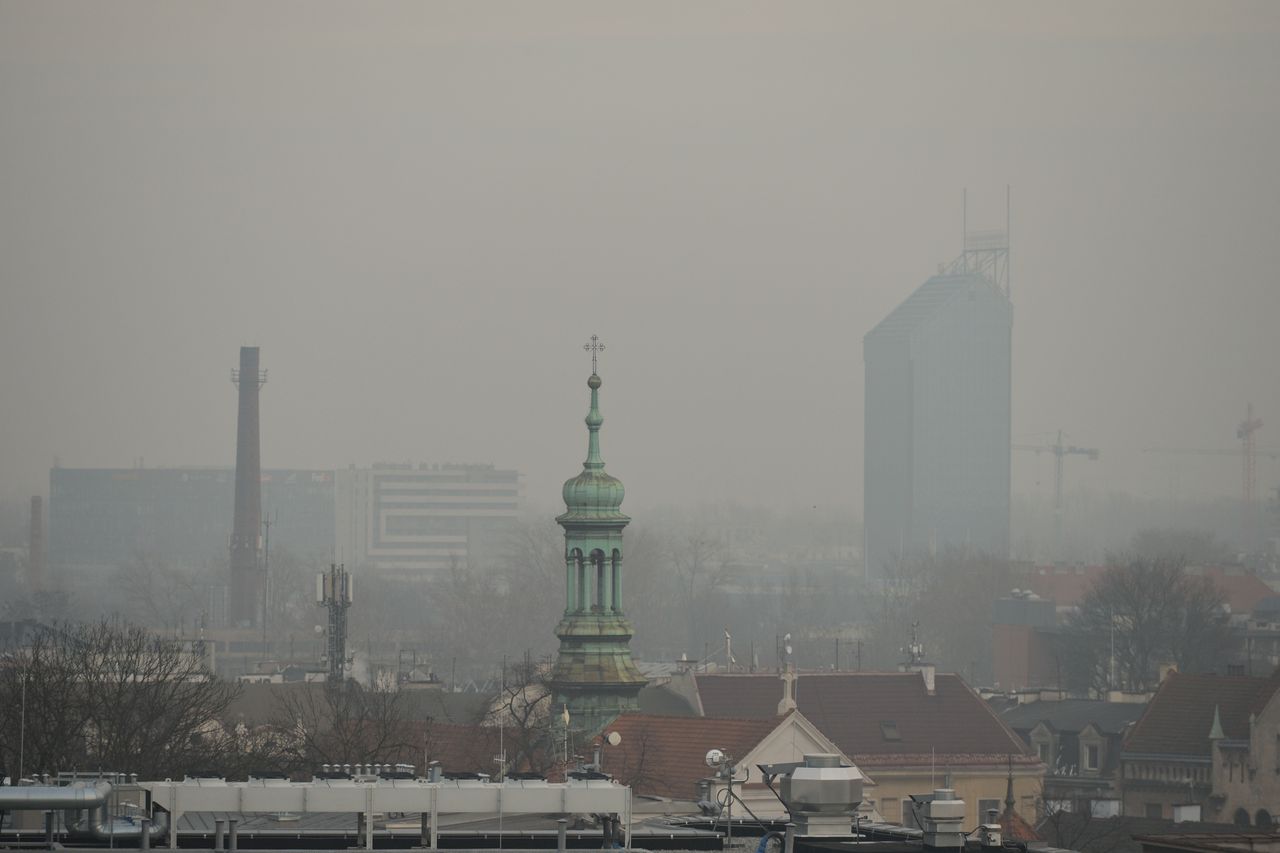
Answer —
664 756
862 712
462 748
1178 719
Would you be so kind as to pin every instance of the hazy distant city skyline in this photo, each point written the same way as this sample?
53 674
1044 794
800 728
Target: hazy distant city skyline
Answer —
421 212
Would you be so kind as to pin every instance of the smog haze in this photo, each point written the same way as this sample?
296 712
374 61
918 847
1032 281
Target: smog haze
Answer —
420 212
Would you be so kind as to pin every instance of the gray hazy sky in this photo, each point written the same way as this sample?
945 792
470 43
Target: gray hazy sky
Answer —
420 211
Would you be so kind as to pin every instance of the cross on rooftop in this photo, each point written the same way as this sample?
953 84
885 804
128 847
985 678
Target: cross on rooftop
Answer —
595 348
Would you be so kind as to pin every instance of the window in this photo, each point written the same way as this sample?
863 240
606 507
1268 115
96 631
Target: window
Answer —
1155 810
889 730
1091 755
1241 818
1262 819
1042 750
909 814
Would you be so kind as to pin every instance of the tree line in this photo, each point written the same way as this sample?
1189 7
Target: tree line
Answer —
112 696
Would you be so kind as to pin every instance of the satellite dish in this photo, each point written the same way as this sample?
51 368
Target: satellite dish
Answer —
613 738
319 629
715 758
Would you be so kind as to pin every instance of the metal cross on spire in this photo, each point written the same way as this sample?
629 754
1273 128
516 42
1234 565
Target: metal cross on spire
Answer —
595 348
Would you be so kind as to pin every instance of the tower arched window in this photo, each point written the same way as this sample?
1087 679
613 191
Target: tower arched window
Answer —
580 580
616 569
597 561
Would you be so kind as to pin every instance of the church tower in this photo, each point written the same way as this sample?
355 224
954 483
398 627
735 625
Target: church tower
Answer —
594 676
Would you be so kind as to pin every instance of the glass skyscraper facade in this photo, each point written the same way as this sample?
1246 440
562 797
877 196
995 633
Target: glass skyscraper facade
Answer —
937 434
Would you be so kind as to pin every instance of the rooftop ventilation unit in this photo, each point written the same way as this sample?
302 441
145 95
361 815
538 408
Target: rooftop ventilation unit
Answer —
821 794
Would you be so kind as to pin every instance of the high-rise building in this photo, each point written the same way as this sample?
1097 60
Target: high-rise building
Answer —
101 518
936 463
594 679
414 522
419 523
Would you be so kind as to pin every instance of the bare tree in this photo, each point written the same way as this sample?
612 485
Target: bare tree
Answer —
521 711
1139 615
950 595
110 695
341 723
696 556
1078 829
637 761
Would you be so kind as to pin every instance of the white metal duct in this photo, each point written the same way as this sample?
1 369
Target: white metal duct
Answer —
588 796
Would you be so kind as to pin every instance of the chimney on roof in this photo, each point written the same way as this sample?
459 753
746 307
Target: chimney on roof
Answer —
1215 731
245 578
788 702
35 546
927 672
916 662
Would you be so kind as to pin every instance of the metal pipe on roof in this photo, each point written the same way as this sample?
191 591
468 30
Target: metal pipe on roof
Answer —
106 830
17 798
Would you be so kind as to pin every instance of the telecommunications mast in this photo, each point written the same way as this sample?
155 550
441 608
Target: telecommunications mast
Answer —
334 592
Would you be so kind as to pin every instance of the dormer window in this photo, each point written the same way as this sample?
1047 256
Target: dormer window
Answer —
889 730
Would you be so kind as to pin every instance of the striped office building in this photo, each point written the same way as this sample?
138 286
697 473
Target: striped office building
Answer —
421 522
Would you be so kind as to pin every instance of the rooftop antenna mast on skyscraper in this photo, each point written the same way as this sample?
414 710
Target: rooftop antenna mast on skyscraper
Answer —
986 252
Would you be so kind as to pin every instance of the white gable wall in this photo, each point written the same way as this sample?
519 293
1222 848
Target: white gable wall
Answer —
790 741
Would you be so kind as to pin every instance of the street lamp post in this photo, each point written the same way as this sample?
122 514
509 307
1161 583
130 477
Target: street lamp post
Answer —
22 726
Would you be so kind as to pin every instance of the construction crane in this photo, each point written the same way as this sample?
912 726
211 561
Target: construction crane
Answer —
1249 450
1248 453
1060 451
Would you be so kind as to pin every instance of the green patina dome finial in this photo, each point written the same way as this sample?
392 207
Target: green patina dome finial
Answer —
593 493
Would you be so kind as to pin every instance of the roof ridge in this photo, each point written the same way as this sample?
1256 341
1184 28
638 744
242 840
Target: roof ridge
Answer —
636 715
1147 711
1015 740
863 673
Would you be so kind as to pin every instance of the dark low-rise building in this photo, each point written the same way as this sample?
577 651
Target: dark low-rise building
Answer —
1080 741
1211 740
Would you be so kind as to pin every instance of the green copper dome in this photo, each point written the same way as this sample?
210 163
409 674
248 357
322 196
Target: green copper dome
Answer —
593 494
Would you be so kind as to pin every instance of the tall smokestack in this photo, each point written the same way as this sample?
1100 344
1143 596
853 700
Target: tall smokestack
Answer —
35 546
246 571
